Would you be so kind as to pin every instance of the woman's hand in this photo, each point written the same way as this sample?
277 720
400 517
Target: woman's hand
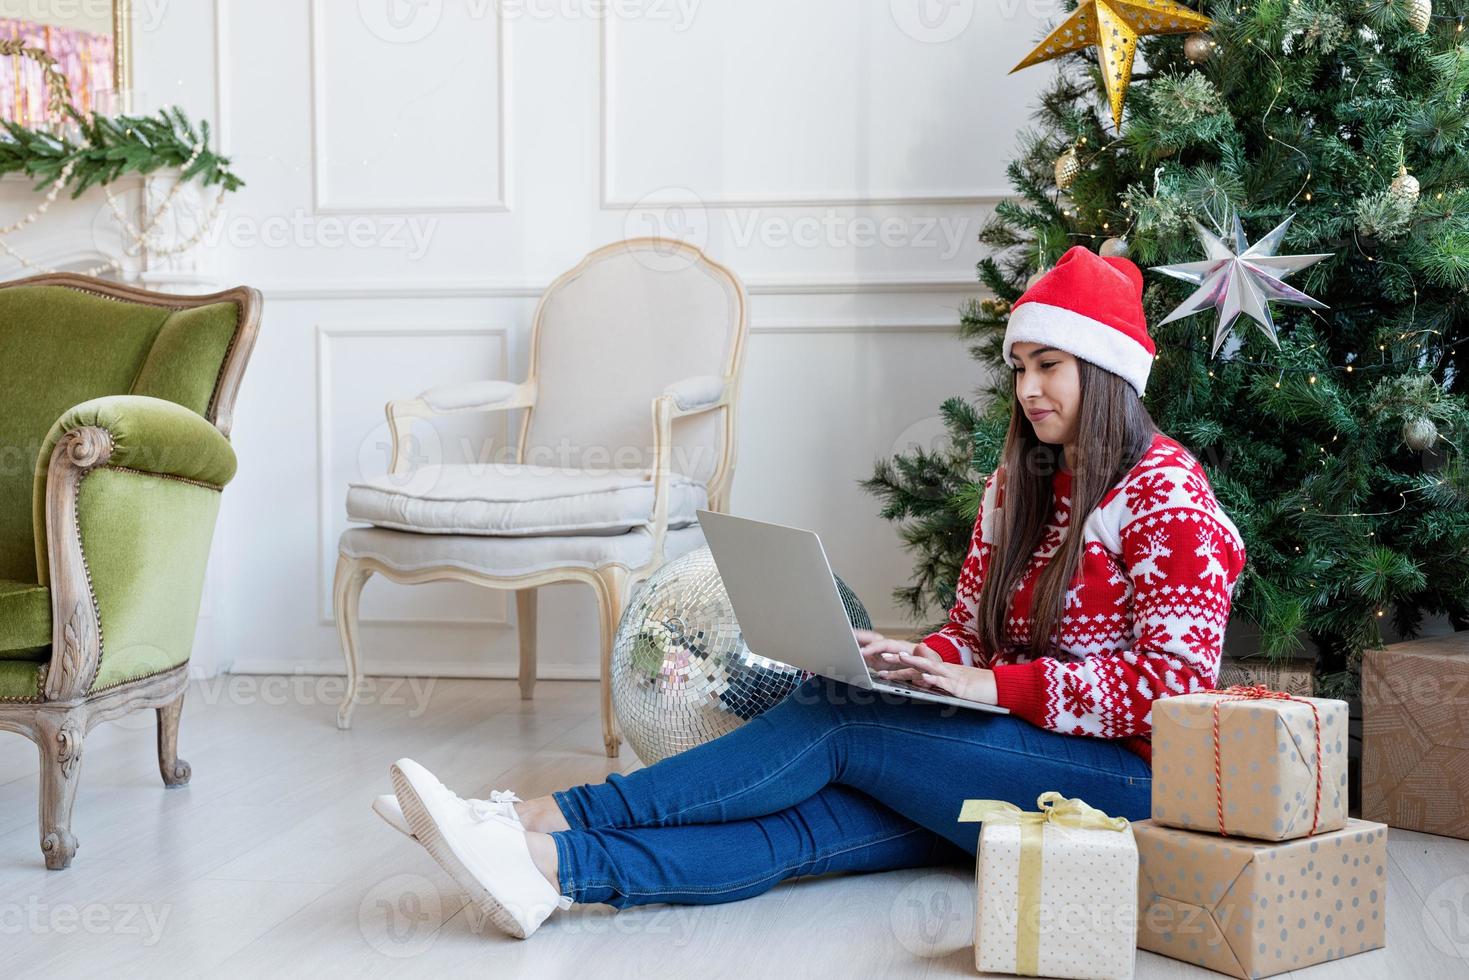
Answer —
874 645
970 683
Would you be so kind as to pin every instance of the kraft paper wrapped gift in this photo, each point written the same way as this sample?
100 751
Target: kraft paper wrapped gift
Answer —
1415 735
1295 676
1057 890
1255 908
1267 763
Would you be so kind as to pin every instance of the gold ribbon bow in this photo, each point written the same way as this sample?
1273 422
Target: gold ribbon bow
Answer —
1054 809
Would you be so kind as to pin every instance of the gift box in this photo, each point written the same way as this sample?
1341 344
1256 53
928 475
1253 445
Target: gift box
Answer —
1256 908
1415 735
1280 771
1295 676
1057 890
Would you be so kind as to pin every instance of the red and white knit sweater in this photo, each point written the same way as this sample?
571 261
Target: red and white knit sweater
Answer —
1143 619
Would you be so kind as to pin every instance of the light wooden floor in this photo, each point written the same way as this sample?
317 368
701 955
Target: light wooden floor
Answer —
270 863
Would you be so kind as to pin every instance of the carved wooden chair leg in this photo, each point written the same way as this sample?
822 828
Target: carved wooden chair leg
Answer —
175 771
525 616
60 738
611 594
346 590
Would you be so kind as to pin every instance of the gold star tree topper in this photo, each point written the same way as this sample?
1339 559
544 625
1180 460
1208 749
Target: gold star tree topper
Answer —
1114 26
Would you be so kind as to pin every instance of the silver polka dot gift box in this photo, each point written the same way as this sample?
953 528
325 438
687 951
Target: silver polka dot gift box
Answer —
1253 908
1281 763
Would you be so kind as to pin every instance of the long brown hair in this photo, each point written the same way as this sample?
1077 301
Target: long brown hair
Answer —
1115 431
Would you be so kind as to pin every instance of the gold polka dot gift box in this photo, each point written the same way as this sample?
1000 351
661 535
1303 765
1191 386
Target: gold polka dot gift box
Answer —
1253 908
1247 761
1057 892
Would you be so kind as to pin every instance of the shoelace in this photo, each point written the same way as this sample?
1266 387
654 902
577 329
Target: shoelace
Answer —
496 807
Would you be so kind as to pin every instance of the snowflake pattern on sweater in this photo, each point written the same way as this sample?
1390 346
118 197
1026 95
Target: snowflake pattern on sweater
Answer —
1143 619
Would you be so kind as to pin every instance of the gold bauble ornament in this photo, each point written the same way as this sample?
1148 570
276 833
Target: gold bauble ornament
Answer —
1420 434
1420 15
1068 165
1404 189
1116 248
1114 26
1198 48
1035 276
994 307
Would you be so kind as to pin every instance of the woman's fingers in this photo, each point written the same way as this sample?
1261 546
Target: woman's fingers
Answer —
936 673
940 675
885 644
865 637
939 682
921 676
904 665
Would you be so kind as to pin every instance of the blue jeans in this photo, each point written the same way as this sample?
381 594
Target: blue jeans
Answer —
832 778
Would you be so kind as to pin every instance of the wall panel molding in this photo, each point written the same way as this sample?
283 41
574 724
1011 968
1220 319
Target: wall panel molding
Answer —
613 199
498 202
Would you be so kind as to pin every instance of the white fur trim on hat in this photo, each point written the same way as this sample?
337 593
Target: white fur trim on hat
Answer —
1091 340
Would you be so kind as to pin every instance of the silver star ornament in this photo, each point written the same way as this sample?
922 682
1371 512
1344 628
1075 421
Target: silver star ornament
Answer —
1243 279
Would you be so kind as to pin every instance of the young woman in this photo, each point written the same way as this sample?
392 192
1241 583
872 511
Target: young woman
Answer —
1075 625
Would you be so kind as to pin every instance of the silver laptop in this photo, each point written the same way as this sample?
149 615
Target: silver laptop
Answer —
785 597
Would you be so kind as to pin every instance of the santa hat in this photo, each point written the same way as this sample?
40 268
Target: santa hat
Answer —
1090 307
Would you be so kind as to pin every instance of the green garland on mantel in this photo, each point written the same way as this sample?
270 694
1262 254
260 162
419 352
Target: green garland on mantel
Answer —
112 146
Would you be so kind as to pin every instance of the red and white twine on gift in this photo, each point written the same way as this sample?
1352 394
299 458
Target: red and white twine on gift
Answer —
1255 692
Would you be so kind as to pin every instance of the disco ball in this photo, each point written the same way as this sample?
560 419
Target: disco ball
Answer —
681 672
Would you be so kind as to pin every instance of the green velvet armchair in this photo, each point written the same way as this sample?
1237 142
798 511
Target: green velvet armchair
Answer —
115 408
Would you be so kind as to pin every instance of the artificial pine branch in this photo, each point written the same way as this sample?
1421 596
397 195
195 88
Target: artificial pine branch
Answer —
113 146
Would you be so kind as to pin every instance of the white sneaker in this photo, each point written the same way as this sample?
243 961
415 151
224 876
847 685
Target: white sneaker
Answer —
480 848
386 806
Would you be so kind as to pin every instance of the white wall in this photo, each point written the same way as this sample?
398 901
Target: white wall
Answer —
414 184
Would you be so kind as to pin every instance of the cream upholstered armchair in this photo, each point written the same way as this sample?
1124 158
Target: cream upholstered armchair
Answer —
634 372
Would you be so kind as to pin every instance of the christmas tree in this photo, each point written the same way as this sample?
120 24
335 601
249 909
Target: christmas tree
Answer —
1335 446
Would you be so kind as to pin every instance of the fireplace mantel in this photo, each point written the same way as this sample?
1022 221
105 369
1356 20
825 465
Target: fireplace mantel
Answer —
81 234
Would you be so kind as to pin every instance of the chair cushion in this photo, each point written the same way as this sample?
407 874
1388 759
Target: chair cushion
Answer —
509 557
499 499
25 621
